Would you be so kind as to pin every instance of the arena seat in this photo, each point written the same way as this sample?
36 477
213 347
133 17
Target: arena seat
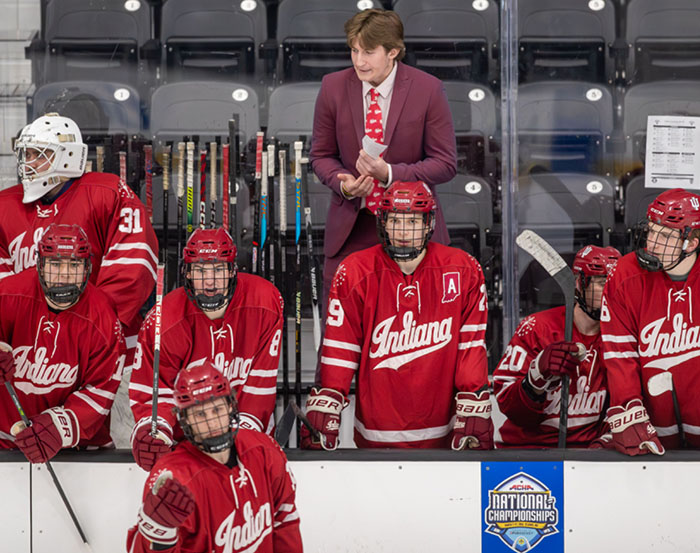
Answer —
291 111
565 39
663 40
569 210
311 37
97 39
637 200
216 39
563 126
452 39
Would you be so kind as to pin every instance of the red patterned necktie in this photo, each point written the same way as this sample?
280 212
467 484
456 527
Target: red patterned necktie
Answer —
375 130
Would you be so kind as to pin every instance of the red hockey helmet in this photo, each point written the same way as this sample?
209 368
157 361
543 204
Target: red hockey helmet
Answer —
592 261
63 243
675 208
195 385
406 197
209 246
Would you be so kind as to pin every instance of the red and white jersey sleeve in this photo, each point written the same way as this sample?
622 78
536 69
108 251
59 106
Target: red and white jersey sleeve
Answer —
532 423
250 507
411 340
73 358
244 345
124 245
650 329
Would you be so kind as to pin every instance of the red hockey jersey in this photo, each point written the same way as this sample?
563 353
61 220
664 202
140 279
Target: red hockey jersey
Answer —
124 246
651 328
413 341
250 507
532 423
244 345
72 358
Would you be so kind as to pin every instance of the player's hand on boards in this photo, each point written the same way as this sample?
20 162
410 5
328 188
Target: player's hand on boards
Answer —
473 425
147 449
47 434
355 187
553 362
165 509
7 363
323 411
632 432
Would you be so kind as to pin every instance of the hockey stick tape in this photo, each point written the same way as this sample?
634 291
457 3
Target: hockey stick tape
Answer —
162 478
4 346
581 355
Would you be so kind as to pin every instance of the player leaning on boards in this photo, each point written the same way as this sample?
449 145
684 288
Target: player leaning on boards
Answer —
527 381
651 336
225 488
67 349
231 319
408 317
51 159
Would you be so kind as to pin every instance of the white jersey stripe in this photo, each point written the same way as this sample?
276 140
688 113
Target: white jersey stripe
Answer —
259 391
472 344
472 328
105 394
149 389
264 373
617 338
92 403
134 246
339 362
342 345
392 436
672 430
125 261
620 354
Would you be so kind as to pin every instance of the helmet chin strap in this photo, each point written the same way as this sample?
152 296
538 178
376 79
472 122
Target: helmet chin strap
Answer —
210 303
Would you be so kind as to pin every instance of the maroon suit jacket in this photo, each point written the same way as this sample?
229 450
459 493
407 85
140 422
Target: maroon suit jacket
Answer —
419 135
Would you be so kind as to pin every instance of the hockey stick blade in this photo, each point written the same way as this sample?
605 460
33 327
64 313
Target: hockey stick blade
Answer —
556 267
284 428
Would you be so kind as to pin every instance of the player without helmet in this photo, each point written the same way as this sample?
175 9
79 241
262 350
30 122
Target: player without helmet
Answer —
209 269
671 233
49 151
64 264
406 220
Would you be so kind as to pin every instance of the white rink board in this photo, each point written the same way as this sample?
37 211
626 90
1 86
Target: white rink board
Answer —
105 498
632 507
14 507
407 507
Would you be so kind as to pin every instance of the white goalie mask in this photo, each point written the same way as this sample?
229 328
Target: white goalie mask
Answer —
57 151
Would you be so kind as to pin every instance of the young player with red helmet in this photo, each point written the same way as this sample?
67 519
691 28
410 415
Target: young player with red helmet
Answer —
408 319
63 349
527 381
651 336
51 161
224 489
231 319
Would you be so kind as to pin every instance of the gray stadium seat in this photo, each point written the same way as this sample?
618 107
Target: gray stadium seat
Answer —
637 200
473 108
291 112
212 39
569 210
663 40
95 39
563 125
311 37
452 39
565 39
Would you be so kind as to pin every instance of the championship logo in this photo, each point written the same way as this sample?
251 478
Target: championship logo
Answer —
521 511
450 287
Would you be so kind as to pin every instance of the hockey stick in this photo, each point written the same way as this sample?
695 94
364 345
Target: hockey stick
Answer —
233 185
313 264
148 169
284 427
166 200
203 188
273 250
264 269
256 201
557 268
297 294
59 488
122 167
180 194
213 158
100 158
283 272
190 186
156 349
225 188
662 383
305 420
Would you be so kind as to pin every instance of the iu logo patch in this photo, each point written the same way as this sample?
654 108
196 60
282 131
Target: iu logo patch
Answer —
450 287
